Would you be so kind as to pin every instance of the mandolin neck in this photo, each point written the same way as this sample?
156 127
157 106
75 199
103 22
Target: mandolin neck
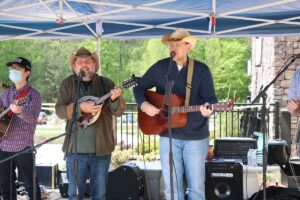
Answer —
108 95
103 98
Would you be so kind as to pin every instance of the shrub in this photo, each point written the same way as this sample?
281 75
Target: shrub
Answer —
153 156
148 145
120 157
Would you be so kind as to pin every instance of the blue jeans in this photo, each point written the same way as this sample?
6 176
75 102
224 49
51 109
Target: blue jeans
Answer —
89 166
189 157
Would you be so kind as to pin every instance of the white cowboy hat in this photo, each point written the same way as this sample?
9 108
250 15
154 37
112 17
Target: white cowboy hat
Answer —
180 35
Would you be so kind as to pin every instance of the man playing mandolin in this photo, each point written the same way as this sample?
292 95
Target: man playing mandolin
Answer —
17 128
190 79
95 142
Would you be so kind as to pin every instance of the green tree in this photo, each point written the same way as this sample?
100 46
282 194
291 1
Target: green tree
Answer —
227 59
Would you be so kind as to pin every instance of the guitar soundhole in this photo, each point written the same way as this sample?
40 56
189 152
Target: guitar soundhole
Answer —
164 111
161 119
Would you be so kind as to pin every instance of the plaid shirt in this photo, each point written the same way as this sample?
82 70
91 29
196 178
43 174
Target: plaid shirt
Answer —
23 125
294 90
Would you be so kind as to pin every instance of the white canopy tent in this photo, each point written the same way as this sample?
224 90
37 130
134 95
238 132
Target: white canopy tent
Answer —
31 19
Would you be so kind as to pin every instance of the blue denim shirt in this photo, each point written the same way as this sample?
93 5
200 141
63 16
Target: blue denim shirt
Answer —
294 89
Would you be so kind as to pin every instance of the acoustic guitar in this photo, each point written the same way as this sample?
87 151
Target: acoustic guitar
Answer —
159 123
89 118
5 119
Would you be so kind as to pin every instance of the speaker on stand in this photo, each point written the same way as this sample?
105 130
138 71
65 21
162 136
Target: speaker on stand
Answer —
224 180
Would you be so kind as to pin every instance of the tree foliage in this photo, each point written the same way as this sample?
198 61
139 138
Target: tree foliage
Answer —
227 59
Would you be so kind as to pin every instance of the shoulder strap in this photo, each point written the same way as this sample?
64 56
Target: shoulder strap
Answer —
24 93
189 81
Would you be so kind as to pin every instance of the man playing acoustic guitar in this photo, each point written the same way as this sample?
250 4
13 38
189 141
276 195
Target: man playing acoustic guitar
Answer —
96 141
23 105
190 79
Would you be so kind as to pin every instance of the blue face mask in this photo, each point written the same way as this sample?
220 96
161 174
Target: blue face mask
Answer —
15 76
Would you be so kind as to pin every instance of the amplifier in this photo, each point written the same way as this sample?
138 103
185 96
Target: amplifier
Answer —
224 180
278 152
234 148
47 174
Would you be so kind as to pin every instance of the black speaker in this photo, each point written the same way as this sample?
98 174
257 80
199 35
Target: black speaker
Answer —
278 152
224 180
63 185
47 175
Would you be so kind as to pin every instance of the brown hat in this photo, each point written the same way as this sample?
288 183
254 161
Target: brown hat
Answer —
83 52
180 35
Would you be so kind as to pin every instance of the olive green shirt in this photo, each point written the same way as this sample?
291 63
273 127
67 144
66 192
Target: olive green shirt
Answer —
86 137
103 126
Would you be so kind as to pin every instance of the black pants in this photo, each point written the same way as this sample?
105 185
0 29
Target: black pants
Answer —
24 165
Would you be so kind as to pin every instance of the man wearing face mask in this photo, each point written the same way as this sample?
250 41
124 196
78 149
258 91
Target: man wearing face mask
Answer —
25 105
95 142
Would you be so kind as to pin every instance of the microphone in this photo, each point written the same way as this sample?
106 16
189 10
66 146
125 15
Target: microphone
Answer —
81 74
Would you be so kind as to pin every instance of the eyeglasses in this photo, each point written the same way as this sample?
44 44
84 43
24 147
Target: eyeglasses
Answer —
177 45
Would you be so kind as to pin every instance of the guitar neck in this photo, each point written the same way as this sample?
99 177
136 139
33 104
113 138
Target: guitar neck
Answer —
196 108
3 85
4 112
185 109
18 102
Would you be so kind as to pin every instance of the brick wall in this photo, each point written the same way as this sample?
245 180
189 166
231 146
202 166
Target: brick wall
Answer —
268 56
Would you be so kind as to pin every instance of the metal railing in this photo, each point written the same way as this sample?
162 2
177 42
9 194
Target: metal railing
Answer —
242 121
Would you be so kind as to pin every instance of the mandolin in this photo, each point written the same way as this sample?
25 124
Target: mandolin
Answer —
89 118
5 118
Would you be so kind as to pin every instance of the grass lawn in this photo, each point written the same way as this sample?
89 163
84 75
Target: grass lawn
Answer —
44 133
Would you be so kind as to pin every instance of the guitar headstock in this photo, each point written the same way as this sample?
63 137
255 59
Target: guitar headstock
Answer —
3 85
133 81
22 101
224 106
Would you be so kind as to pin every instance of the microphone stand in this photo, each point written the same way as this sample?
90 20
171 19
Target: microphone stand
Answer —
34 188
263 95
73 130
167 110
33 150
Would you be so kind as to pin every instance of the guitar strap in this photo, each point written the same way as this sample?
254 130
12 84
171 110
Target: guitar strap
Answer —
21 95
189 81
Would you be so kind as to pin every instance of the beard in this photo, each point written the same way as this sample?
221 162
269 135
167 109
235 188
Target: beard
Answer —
88 76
